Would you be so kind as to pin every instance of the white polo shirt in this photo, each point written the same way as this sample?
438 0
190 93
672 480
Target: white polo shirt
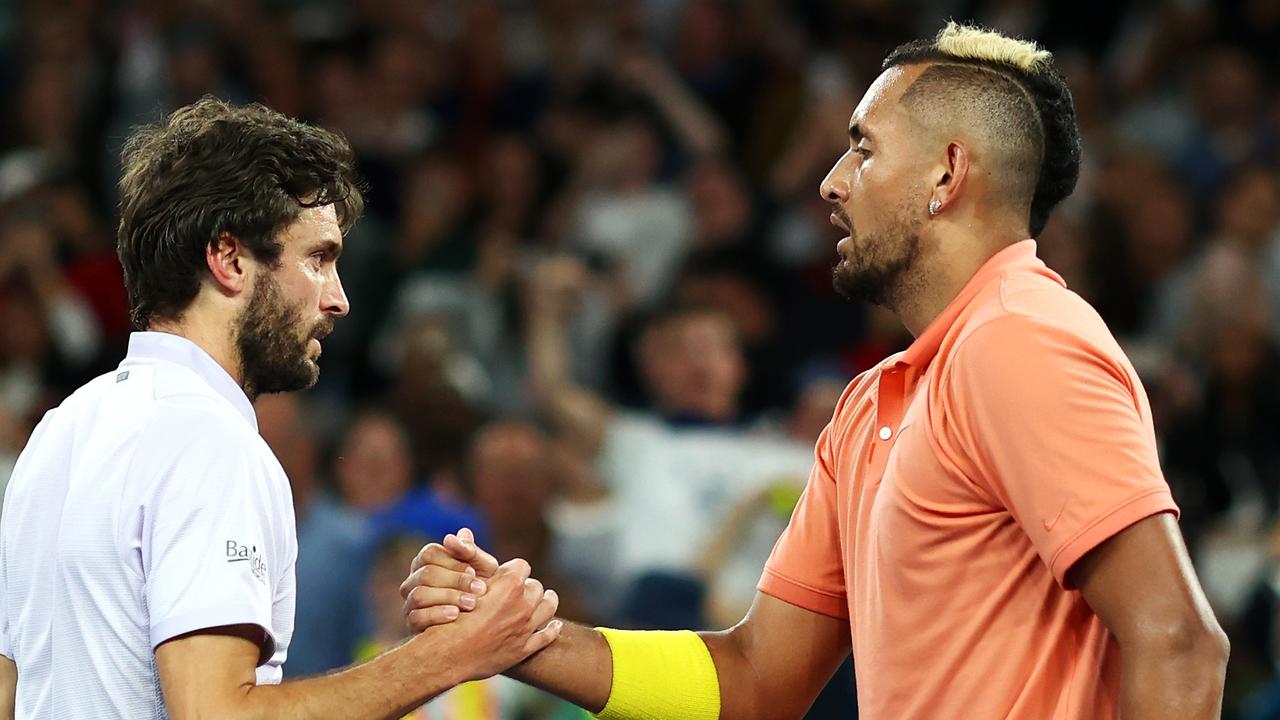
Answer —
146 506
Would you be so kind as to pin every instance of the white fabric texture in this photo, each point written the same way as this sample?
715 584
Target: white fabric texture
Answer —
146 506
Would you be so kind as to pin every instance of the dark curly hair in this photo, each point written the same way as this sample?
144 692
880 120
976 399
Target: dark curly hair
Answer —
1056 134
211 168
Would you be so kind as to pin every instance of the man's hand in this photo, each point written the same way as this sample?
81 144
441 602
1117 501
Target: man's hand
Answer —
512 622
210 673
446 580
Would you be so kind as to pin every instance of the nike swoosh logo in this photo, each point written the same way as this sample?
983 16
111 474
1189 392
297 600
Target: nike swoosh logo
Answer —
1050 524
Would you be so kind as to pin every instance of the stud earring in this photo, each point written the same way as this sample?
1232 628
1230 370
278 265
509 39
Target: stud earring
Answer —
934 206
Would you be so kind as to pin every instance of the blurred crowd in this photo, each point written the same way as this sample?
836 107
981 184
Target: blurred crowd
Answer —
592 314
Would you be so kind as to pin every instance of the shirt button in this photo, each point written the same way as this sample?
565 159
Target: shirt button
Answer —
885 433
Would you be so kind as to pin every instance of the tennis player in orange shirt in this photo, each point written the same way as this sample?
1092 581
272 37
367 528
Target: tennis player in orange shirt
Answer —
986 523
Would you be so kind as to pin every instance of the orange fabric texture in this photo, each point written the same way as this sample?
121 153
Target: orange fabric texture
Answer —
956 485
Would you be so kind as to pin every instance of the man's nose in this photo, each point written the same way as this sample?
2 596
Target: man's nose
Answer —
835 187
335 299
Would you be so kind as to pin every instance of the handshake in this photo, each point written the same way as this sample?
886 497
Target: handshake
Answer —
482 617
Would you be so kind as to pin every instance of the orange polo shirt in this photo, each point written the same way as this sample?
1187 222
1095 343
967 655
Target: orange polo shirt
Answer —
956 485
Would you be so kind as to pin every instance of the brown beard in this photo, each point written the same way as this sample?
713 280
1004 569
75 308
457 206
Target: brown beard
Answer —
875 272
273 355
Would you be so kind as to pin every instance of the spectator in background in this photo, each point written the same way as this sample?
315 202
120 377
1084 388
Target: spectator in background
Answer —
1147 219
1246 231
333 544
1222 450
434 394
375 475
50 335
675 471
510 467
1227 94
625 217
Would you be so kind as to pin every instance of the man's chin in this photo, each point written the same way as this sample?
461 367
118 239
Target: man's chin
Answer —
857 284
313 374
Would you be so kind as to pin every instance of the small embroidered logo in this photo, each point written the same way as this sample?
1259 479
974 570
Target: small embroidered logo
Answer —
1050 524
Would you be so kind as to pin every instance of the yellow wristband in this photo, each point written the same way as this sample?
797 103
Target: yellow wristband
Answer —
660 675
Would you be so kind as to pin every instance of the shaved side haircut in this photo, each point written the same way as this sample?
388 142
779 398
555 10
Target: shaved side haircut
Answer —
1009 93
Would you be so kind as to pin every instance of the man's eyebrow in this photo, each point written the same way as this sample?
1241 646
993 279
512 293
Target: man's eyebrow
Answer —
329 247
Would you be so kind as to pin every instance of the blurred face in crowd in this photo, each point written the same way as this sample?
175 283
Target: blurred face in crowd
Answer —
1249 210
878 194
1158 224
375 467
435 199
1226 88
704 36
623 157
509 474
1238 352
693 365
47 108
512 183
722 204
292 307
24 335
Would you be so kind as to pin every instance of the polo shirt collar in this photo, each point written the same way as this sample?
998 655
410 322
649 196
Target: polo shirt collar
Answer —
1020 256
167 347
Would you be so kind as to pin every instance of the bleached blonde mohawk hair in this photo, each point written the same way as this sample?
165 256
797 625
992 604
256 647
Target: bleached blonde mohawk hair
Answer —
971 42
1008 93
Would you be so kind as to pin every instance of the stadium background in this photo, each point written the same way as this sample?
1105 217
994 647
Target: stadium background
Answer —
591 306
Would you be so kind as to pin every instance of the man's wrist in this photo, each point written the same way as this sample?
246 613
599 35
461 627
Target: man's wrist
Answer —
438 649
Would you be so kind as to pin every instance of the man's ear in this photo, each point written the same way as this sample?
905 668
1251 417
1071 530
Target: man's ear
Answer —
951 183
227 258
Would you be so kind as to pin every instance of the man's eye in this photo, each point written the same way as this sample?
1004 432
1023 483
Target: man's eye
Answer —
864 152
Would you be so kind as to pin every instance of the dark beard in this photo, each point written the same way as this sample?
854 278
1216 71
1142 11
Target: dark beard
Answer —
876 275
273 356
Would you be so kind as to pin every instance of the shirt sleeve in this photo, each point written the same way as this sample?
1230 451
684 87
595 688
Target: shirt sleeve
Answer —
1059 432
208 540
806 567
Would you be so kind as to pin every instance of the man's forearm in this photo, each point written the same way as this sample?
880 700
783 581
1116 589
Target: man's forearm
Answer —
8 688
578 667
389 687
1184 680
224 687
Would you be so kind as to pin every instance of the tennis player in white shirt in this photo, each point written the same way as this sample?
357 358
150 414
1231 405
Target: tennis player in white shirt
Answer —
147 543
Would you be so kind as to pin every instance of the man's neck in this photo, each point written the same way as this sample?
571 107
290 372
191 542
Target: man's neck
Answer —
214 341
938 279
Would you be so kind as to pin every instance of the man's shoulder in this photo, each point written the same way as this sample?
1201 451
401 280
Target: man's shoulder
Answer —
1025 309
167 394
201 433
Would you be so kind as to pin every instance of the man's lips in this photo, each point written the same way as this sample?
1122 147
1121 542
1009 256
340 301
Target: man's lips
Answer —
323 331
835 220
